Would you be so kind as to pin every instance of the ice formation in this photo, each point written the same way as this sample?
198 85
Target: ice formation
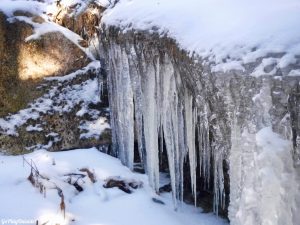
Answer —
237 132
147 107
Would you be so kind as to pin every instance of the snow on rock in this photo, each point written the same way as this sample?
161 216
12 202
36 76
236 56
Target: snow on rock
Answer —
59 98
92 65
34 7
104 3
94 204
41 29
225 34
78 6
93 128
34 128
42 9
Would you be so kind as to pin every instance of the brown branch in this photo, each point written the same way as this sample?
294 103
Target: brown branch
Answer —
89 173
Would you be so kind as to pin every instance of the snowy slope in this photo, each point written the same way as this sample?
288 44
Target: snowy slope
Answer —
95 204
226 34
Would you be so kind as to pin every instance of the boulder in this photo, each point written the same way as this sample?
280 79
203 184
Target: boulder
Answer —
25 63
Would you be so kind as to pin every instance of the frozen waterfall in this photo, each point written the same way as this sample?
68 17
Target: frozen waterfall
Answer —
222 133
148 104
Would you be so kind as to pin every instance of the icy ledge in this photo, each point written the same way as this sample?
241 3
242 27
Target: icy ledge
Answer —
237 134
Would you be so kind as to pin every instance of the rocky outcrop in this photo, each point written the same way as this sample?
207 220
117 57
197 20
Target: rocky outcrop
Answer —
83 20
24 63
56 114
163 100
63 118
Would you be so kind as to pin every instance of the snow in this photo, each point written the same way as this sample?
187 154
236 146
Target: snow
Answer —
225 34
41 146
294 72
92 65
20 200
34 128
94 128
41 29
9 6
104 3
77 6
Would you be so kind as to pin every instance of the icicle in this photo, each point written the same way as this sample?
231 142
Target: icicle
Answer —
121 103
146 100
190 141
149 101
219 197
138 100
150 116
235 169
204 147
171 114
101 89
181 151
100 82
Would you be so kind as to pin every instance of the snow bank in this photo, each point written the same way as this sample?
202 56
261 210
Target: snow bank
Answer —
226 34
95 204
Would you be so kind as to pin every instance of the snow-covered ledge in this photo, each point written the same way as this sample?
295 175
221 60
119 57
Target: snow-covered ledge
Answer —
256 37
231 102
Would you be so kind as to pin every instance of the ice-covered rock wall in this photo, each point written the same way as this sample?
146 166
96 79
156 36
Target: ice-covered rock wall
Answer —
164 100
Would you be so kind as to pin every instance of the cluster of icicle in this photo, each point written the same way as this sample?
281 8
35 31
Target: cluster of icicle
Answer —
147 106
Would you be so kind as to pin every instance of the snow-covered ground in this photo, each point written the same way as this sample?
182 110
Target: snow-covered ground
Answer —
20 200
227 34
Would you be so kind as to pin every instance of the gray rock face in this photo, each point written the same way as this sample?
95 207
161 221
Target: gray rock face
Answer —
222 128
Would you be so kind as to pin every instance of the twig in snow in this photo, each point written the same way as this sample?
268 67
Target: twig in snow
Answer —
89 173
33 178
